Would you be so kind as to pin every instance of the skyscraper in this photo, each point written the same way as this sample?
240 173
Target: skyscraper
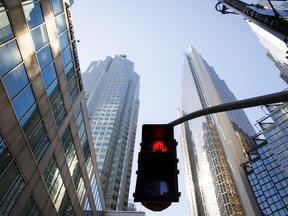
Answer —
267 168
213 146
276 49
112 93
269 21
47 160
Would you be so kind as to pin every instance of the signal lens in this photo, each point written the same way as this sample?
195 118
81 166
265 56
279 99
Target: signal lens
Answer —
159 146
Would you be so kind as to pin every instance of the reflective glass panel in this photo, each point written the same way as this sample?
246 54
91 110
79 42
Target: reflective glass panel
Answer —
30 208
73 89
44 56
39 36
30 120
57 7
58 110
15 81
38 141
53 91
66 208
69 70
60 23
12 186
33 14
23 102
66 56
63 40
54 182
5 28
9 57
5 156
49 74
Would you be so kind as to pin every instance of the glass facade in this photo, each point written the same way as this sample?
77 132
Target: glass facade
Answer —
34 17
238 117
54 183
96 196
37 146
11 181
18 88
267 166
276 47
30 208
214 180
73 163
113 104
6 32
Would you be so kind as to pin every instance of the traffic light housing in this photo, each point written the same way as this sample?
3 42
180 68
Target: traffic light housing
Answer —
157 175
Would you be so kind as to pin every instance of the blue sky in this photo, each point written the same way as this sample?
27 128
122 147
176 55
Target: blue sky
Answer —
154 35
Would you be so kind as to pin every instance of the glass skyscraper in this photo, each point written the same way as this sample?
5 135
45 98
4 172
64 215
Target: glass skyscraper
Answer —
213 146
47 161
112 94
276 49
267 167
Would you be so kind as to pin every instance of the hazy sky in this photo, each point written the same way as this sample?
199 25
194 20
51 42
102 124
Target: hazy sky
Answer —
154 35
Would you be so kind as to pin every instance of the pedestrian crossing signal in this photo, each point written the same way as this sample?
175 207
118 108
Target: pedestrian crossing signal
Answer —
157 175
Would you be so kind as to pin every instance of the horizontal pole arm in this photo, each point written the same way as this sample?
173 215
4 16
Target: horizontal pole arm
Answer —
246 103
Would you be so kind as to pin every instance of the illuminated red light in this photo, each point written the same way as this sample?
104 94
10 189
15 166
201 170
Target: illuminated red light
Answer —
159 146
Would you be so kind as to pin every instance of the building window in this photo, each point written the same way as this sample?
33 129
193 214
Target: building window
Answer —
57 7
33 13
6 32
9 56
60 23
96 196
71 78
73 89
73 163
15 81
64 41
39 36
66 56
30 208
23 102
11 181
54 182
44 56
49 75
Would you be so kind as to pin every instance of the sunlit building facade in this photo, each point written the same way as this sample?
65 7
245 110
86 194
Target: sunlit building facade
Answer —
238 117
47 161
212 146
276 48
112 94
267 168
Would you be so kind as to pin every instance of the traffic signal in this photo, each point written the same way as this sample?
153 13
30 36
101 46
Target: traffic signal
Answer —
157 175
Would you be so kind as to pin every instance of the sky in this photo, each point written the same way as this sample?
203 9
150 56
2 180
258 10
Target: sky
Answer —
155 35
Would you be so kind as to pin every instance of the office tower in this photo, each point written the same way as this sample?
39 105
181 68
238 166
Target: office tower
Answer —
276 48
266 168
213 147
269 21
48 165
112 93
238 117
